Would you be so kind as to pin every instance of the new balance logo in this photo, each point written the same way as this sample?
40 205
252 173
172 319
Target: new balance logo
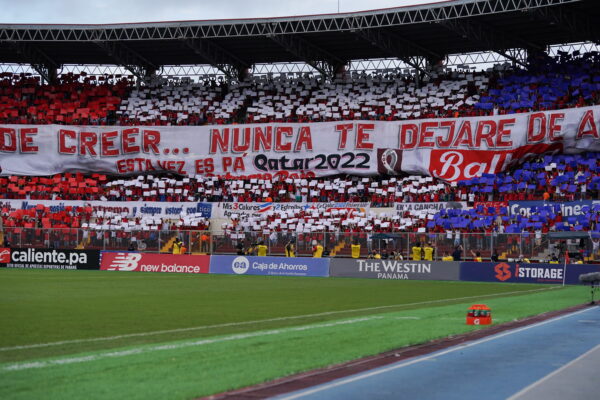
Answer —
125 262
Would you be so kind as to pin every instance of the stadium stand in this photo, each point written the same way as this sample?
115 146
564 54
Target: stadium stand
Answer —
550 83
551 177
75 99
481 220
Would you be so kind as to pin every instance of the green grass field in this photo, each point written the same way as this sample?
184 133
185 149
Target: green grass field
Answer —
110 335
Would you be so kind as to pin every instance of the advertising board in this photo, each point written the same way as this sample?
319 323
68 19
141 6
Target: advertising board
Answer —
524 273
283 266
567 208
49 258
150 262
393 269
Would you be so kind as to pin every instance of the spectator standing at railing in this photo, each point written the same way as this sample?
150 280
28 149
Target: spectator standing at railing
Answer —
476 256
290 250
417 251
261 249
240 248
428 252
595 248
204 243
457 253
355 249
177 246
317 250
251 250
495 256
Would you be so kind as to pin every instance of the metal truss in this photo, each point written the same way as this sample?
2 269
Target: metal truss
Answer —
272 26
290 69
501 42
405 50
570 48
129 59
45 66
471 61
321 60
568 21
225 61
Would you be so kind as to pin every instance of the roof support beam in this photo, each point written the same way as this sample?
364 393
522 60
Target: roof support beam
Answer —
427 13
568 21
405 50
494 39
220 58
321 60
40 61
129 59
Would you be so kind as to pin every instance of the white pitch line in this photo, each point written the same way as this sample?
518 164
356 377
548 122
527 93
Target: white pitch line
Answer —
176 346
260 321
417 360
551 375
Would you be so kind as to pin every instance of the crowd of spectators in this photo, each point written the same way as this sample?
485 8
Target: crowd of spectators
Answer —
550 177
379 191
567 80
75 99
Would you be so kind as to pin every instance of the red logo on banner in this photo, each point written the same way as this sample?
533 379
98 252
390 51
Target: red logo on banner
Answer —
155 263
455 165
4 256
502 272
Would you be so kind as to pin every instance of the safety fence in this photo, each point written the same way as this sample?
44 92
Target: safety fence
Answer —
539 247
547 273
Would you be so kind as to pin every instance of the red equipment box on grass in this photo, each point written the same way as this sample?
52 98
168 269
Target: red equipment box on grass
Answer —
148 262
479 314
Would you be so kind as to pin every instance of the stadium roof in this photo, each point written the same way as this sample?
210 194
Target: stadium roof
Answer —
414 34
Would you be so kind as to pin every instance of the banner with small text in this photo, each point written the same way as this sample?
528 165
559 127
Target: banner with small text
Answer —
49 258
440 147
129 208
282 266
244 210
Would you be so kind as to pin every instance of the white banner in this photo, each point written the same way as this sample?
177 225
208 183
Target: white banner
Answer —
129 208
245 210
437 147
431 208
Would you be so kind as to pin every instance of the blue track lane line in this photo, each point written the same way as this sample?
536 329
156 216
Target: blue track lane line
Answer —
495 367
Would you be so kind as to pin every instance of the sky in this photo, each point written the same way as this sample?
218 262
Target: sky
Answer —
118 11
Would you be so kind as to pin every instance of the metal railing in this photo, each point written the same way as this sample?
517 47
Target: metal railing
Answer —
337 244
